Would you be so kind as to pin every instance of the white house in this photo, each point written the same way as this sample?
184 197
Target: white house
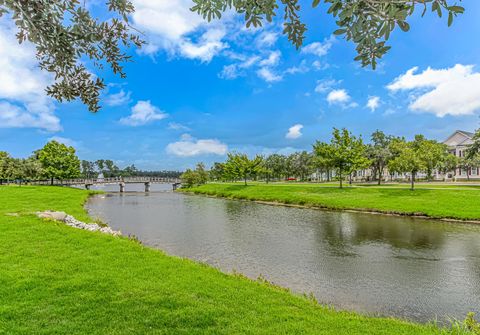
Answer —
457 145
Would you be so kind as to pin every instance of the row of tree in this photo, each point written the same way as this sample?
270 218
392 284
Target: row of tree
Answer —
59 161
107 168
343 157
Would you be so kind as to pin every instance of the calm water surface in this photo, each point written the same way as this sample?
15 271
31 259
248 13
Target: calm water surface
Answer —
410 268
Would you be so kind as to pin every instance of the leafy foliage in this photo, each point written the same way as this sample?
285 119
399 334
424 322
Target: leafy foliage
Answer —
58 161
239 166
345 153
368 23
196 177
379 153
474 149
419 155
65 34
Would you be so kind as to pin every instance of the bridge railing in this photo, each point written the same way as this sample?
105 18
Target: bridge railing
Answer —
92 181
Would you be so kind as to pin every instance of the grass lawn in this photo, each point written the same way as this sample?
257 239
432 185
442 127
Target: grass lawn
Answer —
59 280
438 201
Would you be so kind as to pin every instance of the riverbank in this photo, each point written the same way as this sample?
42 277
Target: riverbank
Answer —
426 201
56 279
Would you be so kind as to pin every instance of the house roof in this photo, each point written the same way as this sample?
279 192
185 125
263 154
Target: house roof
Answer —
459 137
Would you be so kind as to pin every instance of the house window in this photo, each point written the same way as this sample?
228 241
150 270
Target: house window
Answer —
473 171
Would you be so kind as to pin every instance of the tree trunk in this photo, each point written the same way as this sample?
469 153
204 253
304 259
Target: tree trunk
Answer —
341 179
412 187
350 180
51 181
380 172
245 179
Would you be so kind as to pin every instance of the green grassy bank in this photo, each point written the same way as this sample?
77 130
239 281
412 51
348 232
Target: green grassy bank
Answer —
451 202
59 280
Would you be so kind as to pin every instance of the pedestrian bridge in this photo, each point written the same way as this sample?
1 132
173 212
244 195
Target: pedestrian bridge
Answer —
121 181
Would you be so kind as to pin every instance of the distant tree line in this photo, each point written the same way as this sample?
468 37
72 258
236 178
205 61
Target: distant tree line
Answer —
59 161
342 158
106 167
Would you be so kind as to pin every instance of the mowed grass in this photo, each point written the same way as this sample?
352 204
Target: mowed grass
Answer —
59 280
437 201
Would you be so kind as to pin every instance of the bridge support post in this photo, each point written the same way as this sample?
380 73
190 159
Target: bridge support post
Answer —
122 187
147 187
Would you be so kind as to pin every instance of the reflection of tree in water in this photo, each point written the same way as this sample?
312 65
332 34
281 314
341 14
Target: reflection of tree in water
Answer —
345 230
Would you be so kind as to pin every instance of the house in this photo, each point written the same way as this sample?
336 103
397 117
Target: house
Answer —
457 145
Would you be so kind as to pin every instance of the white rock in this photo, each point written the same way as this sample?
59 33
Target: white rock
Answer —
72 222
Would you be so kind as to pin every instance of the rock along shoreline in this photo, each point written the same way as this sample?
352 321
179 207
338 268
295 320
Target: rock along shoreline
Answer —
72 222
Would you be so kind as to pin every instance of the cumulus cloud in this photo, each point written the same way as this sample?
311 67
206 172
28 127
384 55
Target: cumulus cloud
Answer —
450 91
177 126
294 132
23 102
339 96
266 39
64 140
373 103
268 75
142 113
325 85
302 68
272 60
318 49
117 99
170 26
189 147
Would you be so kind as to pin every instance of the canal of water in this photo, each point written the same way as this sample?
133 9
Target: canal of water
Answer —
380 265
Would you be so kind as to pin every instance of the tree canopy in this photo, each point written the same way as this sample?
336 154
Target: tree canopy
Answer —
368 23
345 153
58 161
66 34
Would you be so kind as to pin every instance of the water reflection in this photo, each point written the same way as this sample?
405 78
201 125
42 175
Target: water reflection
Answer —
398 266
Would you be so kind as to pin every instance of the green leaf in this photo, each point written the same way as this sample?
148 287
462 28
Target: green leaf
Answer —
315 3
450 19
339 31
403 25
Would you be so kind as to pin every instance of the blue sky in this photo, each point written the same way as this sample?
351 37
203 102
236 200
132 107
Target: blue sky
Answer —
199 90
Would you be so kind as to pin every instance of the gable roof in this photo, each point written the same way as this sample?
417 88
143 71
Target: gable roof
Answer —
459 137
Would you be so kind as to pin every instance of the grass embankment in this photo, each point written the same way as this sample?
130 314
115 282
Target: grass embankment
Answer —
435 201
59 280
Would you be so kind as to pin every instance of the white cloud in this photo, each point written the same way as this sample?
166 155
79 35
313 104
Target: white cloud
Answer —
64 140
23 101
169 25
229 72
317 48
272 60
302 68
266 39
142 113
373 103
451 91
268 75
339 96
325 85
294 132
177 126
117 99
188 147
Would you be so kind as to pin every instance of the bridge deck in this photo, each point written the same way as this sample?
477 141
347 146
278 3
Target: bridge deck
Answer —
96 181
